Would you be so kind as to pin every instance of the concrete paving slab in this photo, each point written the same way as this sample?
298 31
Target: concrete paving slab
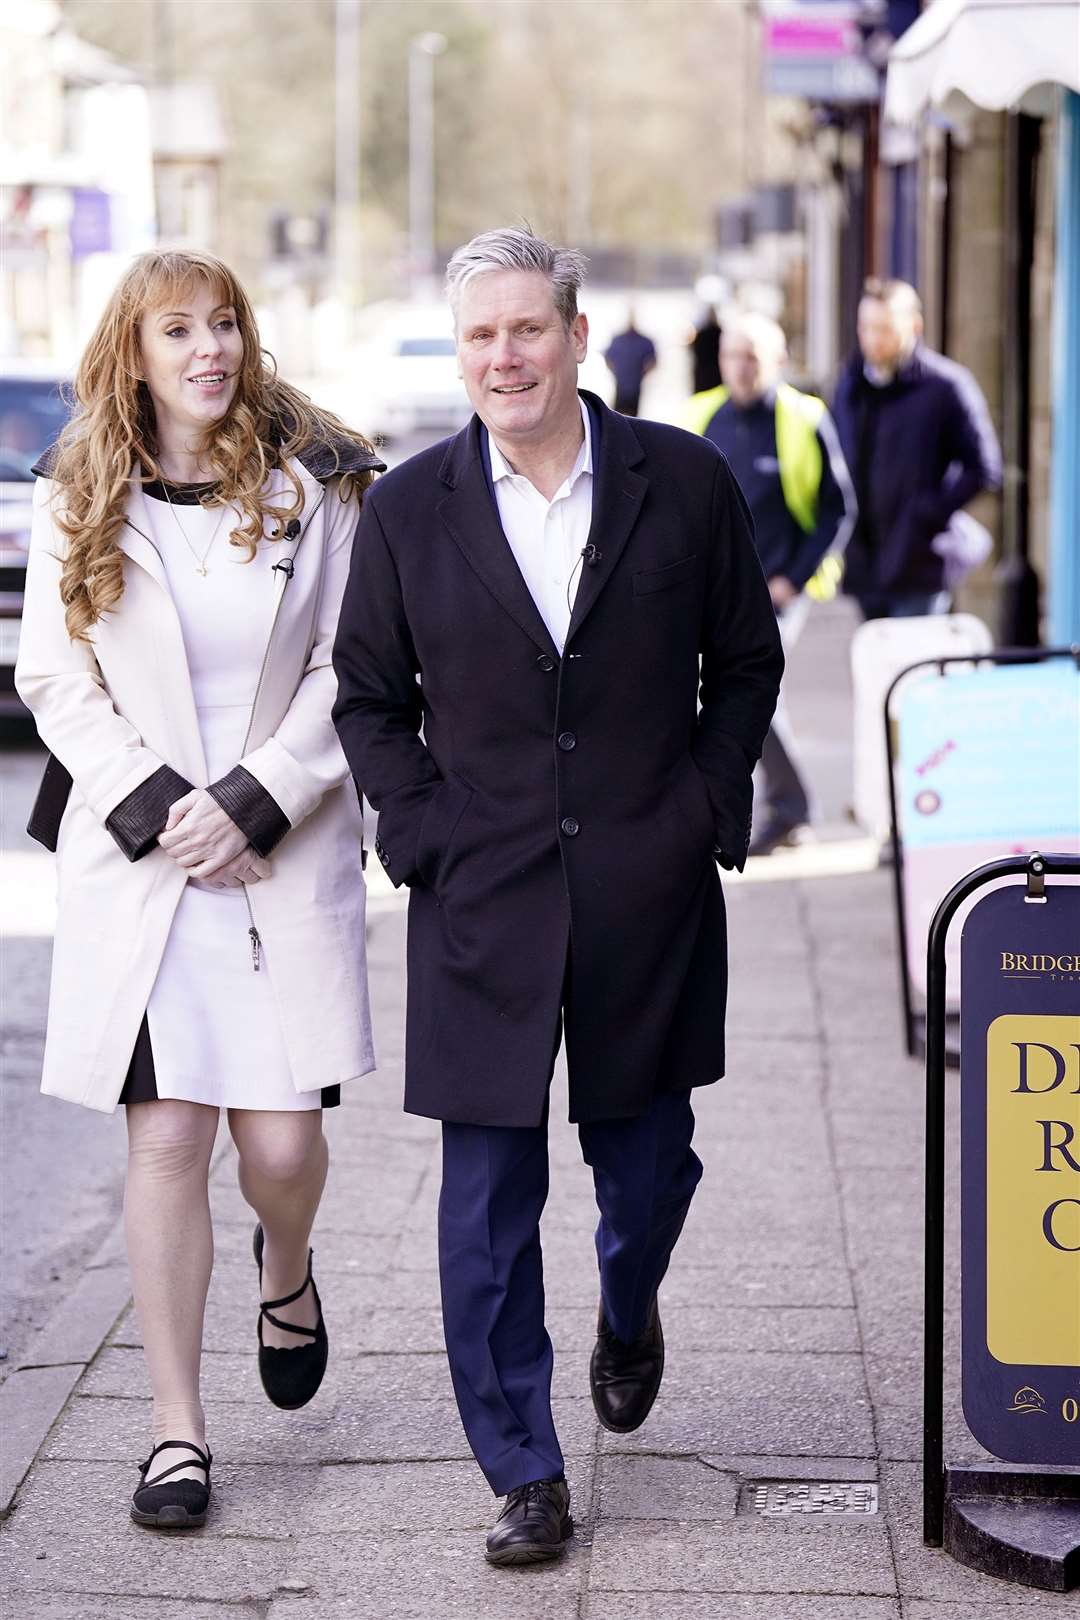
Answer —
78 1326
776 1467
718 1606
874 1075
284 1502
655 1488
896 1390
742 1556
758 1280
133 1561
233 1308
361 1144
30 1403
348 1428
424 1576
813 1405
29 1605
1052 1606
863 1140
363 1254
122 1374
347 1204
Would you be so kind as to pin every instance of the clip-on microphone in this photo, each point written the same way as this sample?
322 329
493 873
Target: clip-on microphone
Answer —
292 529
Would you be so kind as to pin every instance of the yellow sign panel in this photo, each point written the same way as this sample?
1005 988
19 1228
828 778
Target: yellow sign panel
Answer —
1033 1190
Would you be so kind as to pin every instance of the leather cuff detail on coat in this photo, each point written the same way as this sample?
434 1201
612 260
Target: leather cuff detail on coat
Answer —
137 820
255 811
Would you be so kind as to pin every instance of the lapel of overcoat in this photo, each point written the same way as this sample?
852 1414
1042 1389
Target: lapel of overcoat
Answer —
618 492
472 518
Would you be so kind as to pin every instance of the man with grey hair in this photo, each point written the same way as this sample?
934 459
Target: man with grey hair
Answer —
567 604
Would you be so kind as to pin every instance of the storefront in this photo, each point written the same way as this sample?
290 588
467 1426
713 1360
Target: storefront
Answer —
961 60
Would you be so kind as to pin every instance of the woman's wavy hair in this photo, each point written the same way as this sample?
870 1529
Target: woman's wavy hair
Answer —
111 435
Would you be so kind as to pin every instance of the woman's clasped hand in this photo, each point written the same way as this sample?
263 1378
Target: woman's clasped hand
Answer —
201 837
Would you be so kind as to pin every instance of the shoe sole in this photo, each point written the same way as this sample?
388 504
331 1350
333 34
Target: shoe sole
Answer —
524 1554
170 1518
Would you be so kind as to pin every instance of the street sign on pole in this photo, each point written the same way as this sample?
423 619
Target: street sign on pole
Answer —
1020 1173
1020 1221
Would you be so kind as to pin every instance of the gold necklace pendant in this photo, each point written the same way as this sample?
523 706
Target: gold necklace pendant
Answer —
200 562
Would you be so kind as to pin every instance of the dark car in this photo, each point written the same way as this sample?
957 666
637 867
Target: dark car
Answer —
33 409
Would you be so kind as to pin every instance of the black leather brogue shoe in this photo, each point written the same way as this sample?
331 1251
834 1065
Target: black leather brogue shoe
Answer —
625 1378
534 1524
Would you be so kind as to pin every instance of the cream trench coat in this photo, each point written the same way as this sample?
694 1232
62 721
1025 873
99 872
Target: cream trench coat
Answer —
113 713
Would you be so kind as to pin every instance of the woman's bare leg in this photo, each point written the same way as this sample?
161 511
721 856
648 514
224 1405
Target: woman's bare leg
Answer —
283 1163
171 1253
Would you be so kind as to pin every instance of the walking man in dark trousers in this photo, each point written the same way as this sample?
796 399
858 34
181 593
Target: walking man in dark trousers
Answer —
569 604
917 435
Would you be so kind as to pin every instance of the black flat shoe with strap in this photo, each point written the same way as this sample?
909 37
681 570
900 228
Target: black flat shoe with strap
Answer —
179 1504
290 1377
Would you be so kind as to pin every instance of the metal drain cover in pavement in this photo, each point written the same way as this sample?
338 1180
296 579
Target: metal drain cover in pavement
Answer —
828 1499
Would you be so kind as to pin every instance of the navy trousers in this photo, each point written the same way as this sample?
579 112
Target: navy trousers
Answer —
495 1184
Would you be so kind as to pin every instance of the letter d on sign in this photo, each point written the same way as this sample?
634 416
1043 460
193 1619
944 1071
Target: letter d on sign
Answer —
1023 1047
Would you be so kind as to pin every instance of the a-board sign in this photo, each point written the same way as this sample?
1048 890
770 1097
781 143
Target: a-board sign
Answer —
989 766
880 649
1020 1174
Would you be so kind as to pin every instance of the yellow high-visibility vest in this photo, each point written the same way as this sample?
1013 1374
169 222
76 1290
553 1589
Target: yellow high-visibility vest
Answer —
799 453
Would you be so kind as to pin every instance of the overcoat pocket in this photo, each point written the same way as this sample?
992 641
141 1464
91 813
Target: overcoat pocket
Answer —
440 822
648 580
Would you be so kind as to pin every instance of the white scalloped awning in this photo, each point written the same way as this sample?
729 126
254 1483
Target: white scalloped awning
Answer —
982 53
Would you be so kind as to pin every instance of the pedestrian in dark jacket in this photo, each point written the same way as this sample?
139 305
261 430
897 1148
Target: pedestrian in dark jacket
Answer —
917 436
704 347
569 604
630 357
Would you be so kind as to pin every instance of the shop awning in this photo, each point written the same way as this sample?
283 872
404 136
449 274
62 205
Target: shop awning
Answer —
983 53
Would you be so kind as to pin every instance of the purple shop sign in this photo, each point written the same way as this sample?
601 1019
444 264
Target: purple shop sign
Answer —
91 222
1020 1173
812 35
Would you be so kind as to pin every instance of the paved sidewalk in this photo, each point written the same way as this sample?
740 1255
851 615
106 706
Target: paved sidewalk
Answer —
792 1315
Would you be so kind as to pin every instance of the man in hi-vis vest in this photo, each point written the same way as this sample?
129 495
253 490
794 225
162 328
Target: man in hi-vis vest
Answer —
784 451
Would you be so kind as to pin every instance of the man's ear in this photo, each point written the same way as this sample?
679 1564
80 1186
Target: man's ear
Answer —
580 332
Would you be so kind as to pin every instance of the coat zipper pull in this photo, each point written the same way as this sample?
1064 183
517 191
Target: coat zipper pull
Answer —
256 947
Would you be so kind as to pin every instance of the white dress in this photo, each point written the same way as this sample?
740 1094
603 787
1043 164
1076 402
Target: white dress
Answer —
213 1024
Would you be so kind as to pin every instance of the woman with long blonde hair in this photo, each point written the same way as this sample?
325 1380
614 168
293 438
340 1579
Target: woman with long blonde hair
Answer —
191 542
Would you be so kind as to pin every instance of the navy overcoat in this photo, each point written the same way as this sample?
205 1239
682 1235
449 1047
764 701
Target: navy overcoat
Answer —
559 820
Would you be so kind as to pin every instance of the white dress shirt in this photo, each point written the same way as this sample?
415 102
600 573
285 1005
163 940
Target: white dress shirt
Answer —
548 537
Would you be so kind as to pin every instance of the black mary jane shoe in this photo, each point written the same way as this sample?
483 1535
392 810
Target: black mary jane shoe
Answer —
290 1377
173 1504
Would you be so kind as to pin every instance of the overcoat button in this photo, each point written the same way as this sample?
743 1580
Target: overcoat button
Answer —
570 826
567 740
546 663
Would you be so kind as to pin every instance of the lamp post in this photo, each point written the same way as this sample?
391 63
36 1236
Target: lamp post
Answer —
423 49
347 155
